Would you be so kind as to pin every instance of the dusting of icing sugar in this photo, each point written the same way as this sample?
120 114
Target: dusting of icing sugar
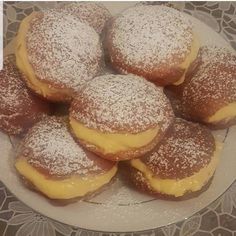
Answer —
215 79
8 125
13 90
122 103
140 177
95 14
185 149
121 196
19 108
213 54
147 36
50 146
63 51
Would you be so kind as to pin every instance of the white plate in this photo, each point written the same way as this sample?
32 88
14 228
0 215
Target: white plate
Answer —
119 209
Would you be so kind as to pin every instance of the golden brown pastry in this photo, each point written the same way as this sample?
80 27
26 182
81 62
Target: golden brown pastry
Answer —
176 102
19 108
182 163
120 117
156 42
93 13
209 96
56 166
57 54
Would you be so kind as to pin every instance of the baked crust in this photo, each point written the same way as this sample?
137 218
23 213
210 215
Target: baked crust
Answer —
93 13
185 149
209 89
19 108
127 46
50 148
50 47
121 104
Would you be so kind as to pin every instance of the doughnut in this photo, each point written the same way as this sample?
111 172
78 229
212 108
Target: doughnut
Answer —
182 163
19 108
209 96
176 102
156 42
93 13
57 54
120 117
57 166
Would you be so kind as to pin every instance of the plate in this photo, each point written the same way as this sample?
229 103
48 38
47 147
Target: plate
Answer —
118 208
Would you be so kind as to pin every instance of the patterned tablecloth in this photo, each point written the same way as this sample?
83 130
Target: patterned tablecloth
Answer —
218 219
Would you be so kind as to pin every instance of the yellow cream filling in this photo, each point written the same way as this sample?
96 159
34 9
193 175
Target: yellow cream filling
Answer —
189 59
178 187
224 114
24 65
71 187
113 143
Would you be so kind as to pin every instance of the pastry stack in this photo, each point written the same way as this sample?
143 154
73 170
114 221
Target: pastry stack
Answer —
152 114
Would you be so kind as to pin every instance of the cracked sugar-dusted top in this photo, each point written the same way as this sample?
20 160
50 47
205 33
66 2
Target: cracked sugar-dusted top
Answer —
213 85
122 103
51 149
185 149
62 50
150 36
93 13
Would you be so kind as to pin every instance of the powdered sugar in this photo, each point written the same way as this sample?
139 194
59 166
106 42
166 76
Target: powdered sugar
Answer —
187 148
8 124
147 36
215 79
119 103
62 50
19 108
50 146
93 13
13 90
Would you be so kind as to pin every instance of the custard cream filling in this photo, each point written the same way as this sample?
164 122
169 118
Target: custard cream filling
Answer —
189 59
71 187
224 114
178 187
115 142
24 65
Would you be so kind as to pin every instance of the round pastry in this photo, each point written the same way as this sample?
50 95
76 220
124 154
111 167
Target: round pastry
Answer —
209 96
51 161
120 117
183 162
19 108
156 42
57 53
93 13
